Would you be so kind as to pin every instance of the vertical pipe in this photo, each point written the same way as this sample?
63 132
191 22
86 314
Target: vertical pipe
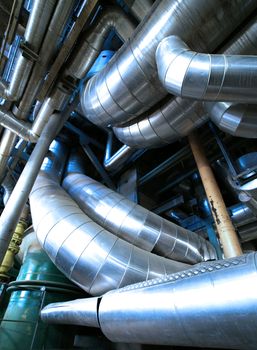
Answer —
225 228
19 196
7 143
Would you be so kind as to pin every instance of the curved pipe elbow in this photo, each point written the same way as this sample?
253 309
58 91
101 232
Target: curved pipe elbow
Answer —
136 224
235 119
206 77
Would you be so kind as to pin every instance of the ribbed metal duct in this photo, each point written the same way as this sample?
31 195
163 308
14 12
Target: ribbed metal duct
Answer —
128 85
90 256
91 43
136 224
200 76
235 119
178 117
212 305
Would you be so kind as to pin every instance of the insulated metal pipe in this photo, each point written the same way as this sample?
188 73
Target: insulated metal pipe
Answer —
48 50
212 305
207 77
136 224
34 34
128 85
19 196
84 251
225 228
7 143
91 43
177 117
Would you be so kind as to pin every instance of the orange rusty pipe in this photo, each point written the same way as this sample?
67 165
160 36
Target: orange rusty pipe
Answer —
225 228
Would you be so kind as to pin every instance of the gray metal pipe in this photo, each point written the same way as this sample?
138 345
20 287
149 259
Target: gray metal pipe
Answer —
128 85
118 159
18 127
47 51
235 119
19 196
7 143
112 18
8 186
178 117
139 8
212 305
136 224
89 255
207 77
34 34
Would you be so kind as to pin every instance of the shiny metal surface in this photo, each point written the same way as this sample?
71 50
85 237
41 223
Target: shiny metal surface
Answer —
235 119
212 305
119 158
19 127
38 21
128 85
7 143
11 213
139 8
89 255
55 160
91 44
8 186
178 117
201 76
241 215
47 51
136 224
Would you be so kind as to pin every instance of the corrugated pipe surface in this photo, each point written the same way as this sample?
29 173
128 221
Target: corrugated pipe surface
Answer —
129 85
200 76
89 255
136 224
178 117
212 305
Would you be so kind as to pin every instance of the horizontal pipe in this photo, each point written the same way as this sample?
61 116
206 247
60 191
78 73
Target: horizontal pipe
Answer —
212 305
128 86
207 77
234 118
136 224
11 213
177 117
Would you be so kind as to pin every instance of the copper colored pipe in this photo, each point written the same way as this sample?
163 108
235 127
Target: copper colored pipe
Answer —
225 228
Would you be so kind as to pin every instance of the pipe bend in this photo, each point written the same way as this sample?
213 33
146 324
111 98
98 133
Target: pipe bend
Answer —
235 119
208 77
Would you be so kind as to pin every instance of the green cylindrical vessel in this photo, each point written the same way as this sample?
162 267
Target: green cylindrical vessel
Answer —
39 283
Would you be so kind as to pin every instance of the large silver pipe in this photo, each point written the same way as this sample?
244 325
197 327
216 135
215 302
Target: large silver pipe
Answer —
201 76
178 117
112 18
212 305
34 34
136 224
19 196
139 8
128 85
47 51
234 118
85 252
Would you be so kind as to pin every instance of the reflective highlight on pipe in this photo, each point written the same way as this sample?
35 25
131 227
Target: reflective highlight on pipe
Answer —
201 76
136 224
211 305
89 255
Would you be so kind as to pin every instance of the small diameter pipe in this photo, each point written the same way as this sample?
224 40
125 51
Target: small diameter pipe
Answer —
12 211
225 228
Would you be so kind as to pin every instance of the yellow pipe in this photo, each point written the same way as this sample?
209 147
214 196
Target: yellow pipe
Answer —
14 246
225 228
